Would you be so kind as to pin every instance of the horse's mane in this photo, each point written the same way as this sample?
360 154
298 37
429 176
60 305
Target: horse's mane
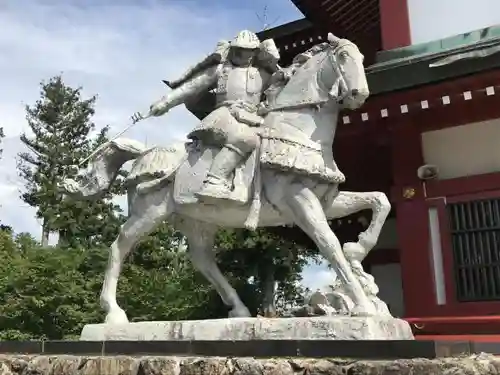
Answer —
297 63
303 57
314 50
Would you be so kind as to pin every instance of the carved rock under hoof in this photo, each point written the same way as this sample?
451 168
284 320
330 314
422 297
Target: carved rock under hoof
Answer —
309 328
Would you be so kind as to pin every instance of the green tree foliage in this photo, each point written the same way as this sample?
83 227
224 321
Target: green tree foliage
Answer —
52 292
59 140
268 263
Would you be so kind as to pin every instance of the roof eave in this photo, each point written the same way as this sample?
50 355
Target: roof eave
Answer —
416 71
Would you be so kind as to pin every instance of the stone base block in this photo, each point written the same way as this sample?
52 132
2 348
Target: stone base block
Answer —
121 365
312 328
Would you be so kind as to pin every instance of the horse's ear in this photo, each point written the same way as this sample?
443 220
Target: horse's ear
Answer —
332 38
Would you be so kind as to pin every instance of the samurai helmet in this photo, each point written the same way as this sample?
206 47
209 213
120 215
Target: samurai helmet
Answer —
246 39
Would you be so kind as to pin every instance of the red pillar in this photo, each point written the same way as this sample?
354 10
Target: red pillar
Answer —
394 24
412 221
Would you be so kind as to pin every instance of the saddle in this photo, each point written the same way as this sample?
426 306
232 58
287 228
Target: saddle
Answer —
192 173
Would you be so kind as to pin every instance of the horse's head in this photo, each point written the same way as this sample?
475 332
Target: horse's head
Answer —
350 87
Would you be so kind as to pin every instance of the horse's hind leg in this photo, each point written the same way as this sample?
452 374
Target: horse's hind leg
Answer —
146 213
200 237
347 203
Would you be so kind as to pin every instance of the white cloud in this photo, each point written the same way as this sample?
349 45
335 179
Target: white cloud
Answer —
120 50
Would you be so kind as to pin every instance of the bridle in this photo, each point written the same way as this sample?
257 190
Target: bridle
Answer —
340 84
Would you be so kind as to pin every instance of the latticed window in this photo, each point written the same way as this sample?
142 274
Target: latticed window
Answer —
475 235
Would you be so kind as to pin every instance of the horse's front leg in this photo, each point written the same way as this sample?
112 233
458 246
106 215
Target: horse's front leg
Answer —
346 203
147 212
302 205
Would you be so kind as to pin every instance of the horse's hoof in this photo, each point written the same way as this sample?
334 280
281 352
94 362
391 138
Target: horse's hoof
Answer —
117 316
240 312
354 251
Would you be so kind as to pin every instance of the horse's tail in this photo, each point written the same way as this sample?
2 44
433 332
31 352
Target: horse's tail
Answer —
157 166
103 169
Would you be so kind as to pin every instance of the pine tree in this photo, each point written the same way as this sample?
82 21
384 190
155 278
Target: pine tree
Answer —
3 227
60 123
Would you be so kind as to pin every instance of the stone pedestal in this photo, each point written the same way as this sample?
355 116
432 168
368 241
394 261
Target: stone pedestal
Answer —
243 329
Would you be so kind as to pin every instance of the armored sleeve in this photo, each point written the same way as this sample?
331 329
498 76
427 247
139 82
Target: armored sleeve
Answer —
199 83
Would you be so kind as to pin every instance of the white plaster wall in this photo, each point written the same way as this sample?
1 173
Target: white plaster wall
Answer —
388 276
388 279
464 150
437 19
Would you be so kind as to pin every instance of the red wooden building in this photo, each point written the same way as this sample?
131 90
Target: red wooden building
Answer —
438 259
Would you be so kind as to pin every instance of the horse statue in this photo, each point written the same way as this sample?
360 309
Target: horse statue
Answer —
290 179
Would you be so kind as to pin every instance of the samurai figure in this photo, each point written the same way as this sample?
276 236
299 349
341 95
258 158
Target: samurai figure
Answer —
238 73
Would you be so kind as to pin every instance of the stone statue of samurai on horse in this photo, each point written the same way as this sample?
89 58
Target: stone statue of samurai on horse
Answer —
261 156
